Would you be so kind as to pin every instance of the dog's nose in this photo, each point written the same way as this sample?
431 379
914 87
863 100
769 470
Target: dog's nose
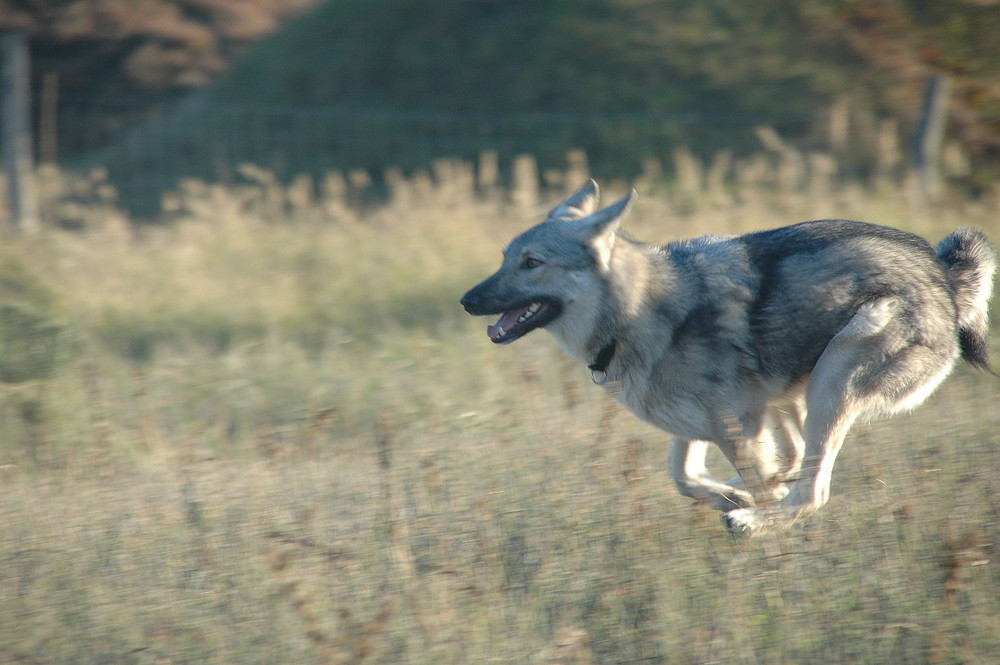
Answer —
469 301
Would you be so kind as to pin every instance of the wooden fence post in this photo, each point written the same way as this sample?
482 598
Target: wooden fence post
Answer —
15 114
929 137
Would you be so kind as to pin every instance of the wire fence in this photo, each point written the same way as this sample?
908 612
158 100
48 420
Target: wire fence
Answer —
148 149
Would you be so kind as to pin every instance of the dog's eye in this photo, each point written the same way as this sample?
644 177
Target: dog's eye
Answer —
531 262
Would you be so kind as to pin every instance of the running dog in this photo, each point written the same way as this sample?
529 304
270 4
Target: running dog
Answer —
769 344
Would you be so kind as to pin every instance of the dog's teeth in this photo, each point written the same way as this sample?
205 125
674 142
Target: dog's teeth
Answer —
531 310
528 313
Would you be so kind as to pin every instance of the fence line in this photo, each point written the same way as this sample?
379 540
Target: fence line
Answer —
149 148
15 130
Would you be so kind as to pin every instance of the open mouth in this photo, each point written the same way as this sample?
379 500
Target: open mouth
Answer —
521 320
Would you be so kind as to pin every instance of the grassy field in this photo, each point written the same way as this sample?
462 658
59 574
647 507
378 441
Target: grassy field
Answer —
266 433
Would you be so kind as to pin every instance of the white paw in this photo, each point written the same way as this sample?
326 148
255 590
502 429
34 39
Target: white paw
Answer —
744 523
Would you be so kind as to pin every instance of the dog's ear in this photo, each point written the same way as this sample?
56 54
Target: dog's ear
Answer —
580 204
597 231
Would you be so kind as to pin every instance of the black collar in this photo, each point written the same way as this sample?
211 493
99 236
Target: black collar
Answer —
599 367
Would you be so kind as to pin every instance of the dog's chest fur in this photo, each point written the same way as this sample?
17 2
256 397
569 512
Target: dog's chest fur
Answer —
684 350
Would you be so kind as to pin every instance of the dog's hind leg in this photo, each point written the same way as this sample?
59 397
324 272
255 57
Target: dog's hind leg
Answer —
875 365
883 361
790 419
832 406
687 462
832 409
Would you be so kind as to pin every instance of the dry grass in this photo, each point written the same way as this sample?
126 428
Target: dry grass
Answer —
272 436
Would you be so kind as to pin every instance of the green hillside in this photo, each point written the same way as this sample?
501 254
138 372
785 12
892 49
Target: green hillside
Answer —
594 56
718 58
721 64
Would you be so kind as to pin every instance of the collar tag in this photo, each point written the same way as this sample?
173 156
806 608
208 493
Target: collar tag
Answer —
598 369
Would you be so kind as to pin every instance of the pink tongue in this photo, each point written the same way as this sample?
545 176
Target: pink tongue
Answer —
507 322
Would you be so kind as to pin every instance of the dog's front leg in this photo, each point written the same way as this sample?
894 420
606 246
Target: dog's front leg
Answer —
687 462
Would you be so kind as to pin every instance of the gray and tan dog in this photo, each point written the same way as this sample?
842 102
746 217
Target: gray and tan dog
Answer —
790 334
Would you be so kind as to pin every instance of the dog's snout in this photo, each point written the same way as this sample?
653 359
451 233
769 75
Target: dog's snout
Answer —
481 297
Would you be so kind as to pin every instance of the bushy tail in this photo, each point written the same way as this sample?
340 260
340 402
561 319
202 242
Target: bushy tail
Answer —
970 261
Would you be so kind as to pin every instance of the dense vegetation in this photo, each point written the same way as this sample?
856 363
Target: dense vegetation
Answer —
407 82
267 433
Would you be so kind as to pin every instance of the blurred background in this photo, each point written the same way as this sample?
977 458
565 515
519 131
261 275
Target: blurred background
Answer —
159 90
244 420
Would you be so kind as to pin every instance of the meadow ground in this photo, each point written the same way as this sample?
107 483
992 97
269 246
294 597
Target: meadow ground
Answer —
265 432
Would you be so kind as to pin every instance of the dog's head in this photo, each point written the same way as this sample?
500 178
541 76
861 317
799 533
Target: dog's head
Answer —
549 271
